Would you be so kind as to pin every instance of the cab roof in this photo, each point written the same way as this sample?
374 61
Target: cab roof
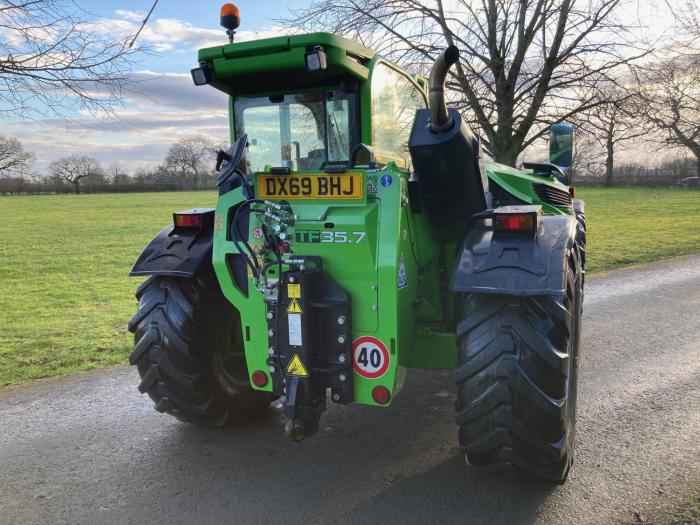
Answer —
278 63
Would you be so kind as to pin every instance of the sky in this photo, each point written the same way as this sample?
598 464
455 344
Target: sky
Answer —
167 106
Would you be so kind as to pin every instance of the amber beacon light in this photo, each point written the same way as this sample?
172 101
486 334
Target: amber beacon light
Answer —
230 19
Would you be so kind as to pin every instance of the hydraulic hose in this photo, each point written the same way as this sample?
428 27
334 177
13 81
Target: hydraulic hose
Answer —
440 120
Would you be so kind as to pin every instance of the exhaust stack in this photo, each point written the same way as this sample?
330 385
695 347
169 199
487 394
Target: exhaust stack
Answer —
440 119
445 154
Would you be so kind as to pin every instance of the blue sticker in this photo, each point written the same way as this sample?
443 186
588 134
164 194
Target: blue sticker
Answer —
386 180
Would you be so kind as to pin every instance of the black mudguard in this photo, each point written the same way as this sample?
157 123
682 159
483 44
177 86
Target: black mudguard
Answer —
516 264
178 252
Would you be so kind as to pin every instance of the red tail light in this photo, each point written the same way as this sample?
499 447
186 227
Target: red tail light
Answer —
188 220
517 218
259 378
515 222
381 395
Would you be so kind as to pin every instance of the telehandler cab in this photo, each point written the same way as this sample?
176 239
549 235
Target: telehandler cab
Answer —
362 230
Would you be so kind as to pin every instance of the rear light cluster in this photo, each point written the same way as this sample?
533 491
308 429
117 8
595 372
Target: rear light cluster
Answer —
195 219
516 222
517 218
188 221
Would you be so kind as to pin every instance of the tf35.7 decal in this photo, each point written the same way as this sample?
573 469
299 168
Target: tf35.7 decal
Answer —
328 236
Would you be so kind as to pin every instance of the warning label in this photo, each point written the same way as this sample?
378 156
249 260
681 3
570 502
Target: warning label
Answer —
403 277
296 367
371 186
294 325
294 291
294 307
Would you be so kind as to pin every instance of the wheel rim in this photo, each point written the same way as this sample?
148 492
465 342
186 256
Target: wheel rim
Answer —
229 362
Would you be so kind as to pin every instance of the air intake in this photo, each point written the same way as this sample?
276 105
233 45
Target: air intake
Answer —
553 196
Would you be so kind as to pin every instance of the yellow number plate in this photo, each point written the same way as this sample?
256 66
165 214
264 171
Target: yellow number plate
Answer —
341 186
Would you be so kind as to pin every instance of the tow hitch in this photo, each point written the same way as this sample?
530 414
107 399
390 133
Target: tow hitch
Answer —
309 332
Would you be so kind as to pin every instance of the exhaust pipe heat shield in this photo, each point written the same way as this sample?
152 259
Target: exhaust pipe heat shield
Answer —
445 153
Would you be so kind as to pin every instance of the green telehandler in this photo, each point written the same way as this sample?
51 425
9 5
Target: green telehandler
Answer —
361 229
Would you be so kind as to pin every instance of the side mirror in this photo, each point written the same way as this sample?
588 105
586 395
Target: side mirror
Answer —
232 157
561 144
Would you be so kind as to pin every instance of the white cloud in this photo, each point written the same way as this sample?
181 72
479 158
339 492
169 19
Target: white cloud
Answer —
134 139
168 34
134 16
173 90
158 108
161 108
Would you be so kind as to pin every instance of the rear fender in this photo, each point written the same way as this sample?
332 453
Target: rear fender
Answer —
515 264
178 252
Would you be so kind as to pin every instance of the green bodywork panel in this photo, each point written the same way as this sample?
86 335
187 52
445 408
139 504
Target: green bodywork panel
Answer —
273 51
519 183
395 264
371 241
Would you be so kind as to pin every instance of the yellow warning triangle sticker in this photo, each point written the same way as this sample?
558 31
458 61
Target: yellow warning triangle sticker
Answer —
294 307
296 367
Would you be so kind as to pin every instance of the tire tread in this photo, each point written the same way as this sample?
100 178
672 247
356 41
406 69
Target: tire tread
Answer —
514 357
172 328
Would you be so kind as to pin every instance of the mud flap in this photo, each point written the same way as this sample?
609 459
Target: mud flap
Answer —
514 264
178 252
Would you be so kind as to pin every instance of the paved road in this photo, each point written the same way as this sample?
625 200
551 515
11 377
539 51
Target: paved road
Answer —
89 449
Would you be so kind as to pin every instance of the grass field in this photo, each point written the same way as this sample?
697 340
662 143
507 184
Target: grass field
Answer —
637 225
65 296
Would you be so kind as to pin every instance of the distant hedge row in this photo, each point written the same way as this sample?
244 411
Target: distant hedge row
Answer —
20 186
627 180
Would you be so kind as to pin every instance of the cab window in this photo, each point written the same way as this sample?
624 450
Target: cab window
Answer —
395 100
303 131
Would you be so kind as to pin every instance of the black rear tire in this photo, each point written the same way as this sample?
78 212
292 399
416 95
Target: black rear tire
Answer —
189 351
516 378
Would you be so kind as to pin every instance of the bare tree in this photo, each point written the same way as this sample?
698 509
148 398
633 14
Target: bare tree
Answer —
117 173
525 64
687 29
587 161
13 159
614 123
671 92
75 169
55 59
191 158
